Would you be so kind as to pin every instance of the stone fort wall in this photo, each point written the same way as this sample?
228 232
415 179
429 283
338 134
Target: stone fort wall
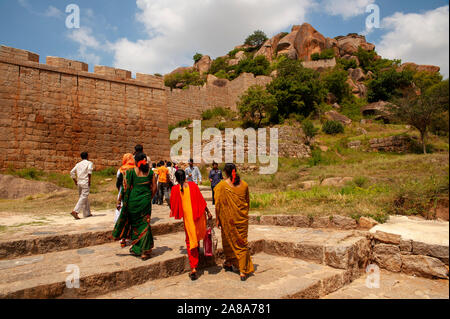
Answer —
190 103
50 113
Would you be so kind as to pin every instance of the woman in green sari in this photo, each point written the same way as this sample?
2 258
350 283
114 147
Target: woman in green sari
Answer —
134 220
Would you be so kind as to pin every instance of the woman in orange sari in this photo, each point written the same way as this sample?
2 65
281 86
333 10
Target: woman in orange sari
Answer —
187 202
232 207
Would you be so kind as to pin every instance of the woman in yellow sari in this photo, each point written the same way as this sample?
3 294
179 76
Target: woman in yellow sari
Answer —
232 207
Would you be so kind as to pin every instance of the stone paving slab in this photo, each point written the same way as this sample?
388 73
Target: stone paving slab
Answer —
107 267
102 268
394 286
275 277
431 232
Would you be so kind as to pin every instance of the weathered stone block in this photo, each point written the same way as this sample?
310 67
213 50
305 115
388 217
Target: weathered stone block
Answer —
338 256
388 257
301 221
343 222
424 266
387 238
321 222
437 251
367 223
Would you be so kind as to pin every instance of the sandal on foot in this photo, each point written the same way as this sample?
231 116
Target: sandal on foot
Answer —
75 215
244 277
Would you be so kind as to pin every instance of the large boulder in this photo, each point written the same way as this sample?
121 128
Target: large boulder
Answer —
332 44
338 117
358 89
182 69
419 68
286 45
308 41
239 56
203 65
349 44
269 47
357 75
379 109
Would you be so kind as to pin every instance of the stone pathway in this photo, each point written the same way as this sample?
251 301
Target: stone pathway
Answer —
394 286
275 277
108 267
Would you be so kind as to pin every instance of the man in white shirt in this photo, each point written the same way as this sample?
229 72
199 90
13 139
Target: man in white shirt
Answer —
193 173
81 175
172 171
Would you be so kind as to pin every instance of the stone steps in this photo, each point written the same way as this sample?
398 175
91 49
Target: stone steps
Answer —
106 268
275 277
61 239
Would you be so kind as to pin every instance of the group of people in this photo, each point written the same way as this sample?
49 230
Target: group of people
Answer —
140 185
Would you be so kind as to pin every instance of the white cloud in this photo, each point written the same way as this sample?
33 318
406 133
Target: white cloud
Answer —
177 29
87 44
84 37
419 38
345 8
88 57
53 12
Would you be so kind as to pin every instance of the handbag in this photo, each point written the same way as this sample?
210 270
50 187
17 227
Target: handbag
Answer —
210 242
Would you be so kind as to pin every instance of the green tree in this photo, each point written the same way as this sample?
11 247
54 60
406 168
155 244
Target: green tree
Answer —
256 105
197 57
309 130
419 110
298 90
425 79
256 39
388 84
336 83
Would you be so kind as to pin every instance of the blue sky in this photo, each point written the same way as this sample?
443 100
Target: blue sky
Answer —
150 36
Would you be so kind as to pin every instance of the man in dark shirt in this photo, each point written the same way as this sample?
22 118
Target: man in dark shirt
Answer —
215 176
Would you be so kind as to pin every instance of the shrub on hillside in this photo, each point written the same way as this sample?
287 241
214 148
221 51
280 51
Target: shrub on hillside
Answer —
219 64
324 55
368 61
309 130
215 112
332 127
347 64
258 66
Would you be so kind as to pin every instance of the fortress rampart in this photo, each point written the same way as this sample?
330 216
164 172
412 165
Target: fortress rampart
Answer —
50 113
